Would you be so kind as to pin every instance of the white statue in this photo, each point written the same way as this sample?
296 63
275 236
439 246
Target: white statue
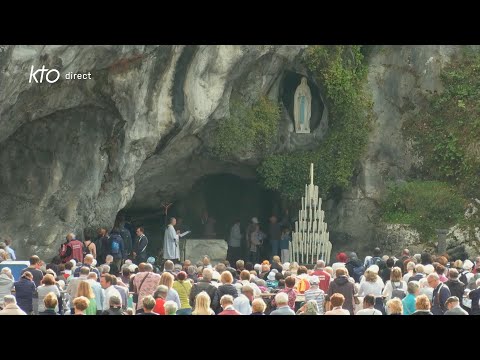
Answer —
302 109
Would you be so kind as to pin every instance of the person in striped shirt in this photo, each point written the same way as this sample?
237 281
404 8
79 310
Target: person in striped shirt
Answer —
315 293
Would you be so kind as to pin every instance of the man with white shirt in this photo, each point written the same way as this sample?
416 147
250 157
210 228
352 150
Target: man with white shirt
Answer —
242 303
368 306
106 282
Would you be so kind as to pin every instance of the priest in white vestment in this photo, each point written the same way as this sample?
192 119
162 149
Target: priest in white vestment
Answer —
171 248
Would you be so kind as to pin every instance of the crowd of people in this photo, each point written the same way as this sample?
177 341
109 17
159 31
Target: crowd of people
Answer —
81 282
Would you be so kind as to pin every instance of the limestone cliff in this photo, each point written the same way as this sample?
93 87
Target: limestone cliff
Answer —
74 152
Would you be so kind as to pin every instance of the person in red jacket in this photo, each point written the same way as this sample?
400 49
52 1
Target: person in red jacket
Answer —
323 276
71 249
227 305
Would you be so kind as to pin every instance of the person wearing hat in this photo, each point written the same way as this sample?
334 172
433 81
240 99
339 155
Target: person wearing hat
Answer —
272 282
341 261
151 260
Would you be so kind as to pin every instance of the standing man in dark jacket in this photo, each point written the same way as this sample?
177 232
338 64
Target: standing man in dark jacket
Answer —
441 293
117 248
274 235
125 234
355 267
102 243
37 274
140 247
401 262
456 286
24 293
474 295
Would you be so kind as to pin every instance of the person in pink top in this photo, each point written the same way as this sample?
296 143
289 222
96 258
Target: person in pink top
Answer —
145 283
227 305
440 270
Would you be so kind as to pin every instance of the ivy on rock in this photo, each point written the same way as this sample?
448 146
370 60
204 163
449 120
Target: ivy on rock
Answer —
341 72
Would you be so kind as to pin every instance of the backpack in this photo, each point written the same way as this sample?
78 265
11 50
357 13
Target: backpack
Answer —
398 292
463 277
86 250
358 271
115 244
302 286
379 262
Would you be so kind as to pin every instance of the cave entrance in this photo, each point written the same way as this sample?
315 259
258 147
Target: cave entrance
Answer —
226 197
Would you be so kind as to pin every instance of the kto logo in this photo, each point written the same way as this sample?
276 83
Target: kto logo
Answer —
51 75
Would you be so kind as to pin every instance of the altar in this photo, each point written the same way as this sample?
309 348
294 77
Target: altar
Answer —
195 249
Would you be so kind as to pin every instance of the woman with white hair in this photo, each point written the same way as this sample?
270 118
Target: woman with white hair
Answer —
410 271
372 284
425 289
6 284
466 275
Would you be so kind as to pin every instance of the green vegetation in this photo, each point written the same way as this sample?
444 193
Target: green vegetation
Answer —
425 206
341 71
248 129
447 133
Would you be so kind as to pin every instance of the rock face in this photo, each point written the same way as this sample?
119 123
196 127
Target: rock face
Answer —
398 79
75 152
196 249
